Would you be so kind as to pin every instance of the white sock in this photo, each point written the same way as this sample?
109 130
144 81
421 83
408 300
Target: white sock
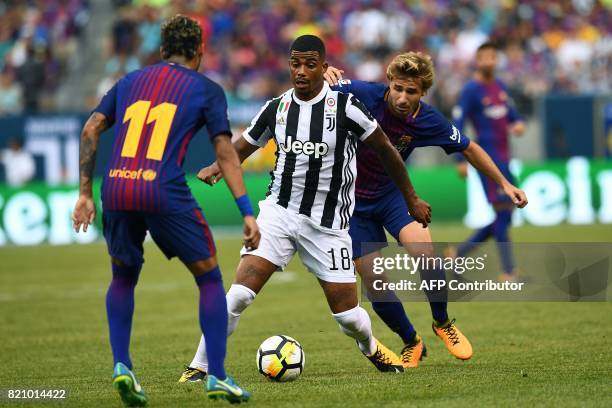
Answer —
200 360
356 323
238 297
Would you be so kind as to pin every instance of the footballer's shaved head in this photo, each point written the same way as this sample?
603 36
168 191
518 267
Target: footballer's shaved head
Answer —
306 43
307 66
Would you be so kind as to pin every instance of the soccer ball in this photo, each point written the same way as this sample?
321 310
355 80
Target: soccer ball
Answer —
280 358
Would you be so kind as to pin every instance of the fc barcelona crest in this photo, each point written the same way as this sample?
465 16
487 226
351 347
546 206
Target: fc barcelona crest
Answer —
403 142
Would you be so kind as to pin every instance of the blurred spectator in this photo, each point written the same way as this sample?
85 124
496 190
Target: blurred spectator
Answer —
374 37
7 40
124 29
125 41
555 35
469 39
106 84
11 94
31 75
371 69
19 165
148 30
303 23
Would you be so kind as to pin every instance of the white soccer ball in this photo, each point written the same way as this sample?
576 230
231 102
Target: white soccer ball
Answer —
280 358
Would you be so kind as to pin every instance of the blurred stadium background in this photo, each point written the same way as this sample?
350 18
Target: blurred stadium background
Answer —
59 56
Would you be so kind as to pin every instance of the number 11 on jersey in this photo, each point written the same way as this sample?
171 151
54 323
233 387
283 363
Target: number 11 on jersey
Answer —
140 113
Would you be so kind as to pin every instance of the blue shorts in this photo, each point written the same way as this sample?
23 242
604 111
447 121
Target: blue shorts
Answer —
372 217
494 193
185 235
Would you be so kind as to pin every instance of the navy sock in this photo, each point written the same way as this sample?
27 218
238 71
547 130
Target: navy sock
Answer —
392 312
438 298
500 231
213 319
479 236
120 309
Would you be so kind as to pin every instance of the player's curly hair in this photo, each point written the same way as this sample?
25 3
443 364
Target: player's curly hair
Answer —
412 65
180 35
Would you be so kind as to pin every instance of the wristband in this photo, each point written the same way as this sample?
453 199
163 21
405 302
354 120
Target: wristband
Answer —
244 205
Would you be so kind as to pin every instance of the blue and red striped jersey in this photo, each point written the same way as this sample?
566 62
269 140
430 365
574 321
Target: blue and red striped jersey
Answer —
489 108
426 127
157 111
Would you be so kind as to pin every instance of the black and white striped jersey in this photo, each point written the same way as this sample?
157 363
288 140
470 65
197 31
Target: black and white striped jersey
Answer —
316 142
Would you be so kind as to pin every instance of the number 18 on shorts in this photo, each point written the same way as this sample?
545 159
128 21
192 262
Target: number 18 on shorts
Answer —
326 253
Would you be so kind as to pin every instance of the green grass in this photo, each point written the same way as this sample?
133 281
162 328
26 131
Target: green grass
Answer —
53 334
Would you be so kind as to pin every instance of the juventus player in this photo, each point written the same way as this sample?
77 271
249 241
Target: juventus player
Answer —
311 197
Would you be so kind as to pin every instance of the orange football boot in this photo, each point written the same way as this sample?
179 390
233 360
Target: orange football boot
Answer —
456 343
412 354
385 360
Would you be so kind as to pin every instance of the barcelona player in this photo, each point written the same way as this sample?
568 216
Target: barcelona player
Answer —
410 123
484 101
157 111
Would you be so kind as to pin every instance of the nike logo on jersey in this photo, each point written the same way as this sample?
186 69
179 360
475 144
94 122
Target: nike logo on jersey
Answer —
318 149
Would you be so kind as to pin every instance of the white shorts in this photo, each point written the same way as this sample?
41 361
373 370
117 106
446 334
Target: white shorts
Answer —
327 253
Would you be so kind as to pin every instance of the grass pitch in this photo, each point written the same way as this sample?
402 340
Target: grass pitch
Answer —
54 335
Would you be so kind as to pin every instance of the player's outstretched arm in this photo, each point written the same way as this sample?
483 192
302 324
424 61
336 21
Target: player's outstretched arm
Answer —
481 160
212 174
85 210
228 162
394 166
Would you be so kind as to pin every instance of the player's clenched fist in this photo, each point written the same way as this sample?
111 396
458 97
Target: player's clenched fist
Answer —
420 211
518 196
211 174
251 233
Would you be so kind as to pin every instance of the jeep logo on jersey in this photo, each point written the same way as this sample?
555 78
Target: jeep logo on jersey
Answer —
318 149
